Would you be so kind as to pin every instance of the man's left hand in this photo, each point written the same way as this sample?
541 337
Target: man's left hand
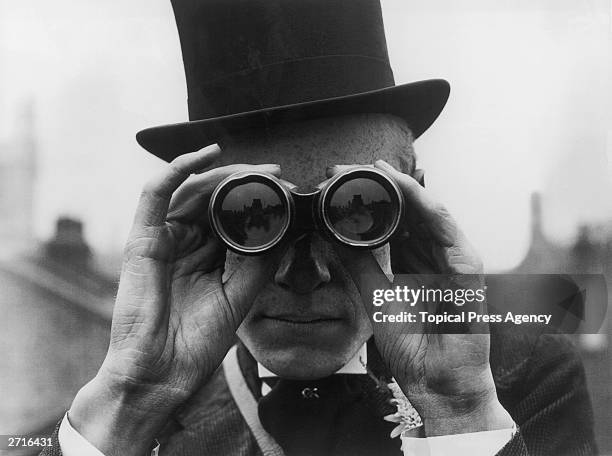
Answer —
447 377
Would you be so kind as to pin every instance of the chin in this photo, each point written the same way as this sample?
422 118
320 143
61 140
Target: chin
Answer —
304 361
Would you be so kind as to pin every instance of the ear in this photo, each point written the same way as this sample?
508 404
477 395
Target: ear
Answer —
419 176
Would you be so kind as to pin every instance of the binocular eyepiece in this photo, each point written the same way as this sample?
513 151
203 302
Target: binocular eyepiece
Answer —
251 212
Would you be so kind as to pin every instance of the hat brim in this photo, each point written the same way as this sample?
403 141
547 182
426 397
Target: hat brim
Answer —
419 103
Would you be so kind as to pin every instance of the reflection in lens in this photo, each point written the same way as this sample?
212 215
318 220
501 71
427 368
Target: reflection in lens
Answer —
252 215
361 210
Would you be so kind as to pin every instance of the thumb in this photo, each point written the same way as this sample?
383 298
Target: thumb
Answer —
366 273
374 285
247 281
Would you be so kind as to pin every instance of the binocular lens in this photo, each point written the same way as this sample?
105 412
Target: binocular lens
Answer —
253 215
251 212
361 211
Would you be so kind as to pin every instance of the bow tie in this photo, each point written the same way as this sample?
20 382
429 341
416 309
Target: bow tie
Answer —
338 415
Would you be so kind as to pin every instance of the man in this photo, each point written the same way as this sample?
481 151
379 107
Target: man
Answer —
303 90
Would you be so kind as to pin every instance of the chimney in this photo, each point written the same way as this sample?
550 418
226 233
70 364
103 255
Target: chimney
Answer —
536 217
68 245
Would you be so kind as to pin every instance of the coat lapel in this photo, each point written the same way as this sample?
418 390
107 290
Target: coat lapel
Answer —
231 418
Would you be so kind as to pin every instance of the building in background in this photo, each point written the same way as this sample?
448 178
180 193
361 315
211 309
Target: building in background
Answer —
589 253
56 300
18 163
56 307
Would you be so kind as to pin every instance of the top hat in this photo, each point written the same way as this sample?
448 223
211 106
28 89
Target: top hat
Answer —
257 63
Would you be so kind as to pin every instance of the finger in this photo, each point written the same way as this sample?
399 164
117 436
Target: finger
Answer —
365 272
416 256
373 285
321 185
288 185
155 198
413 264
190 201
438 220
207 255
335 169
331 171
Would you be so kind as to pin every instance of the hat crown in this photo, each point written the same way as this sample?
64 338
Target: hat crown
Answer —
244 55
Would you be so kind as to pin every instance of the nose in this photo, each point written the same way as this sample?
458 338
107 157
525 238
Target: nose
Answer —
304 267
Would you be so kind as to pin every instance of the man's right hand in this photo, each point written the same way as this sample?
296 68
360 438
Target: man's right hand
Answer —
174 318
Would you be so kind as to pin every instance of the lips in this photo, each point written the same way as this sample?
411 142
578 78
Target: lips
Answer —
302 319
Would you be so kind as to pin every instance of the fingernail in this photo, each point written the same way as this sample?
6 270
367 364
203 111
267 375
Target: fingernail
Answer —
385 165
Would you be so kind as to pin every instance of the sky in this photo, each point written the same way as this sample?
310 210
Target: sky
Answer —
529 108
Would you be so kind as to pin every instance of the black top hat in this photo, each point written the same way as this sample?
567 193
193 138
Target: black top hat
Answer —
256 63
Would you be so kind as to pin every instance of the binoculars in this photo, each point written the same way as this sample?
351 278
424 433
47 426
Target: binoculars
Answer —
251 212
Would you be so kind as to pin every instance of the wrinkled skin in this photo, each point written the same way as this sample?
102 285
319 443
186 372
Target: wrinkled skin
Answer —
302 310
311 282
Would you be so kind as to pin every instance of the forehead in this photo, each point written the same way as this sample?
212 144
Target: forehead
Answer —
305 149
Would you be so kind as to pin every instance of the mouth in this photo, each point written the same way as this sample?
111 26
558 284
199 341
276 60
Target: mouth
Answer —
302 319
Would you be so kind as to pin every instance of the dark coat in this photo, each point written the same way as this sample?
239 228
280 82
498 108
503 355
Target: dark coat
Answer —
539 377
